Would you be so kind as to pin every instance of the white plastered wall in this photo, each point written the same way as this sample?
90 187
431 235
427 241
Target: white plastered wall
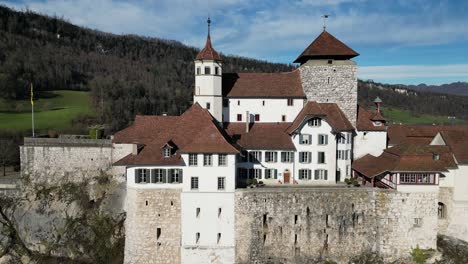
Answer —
269 109
369 142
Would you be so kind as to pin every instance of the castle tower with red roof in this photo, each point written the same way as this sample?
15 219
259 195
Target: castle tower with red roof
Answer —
329 75
208 79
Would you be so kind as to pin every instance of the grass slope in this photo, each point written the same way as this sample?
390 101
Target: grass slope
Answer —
396 115
56 112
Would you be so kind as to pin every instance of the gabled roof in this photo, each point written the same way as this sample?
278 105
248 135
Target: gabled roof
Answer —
406 158
208 52
262 136
458 143
331 112
263 85
366 118
194 131
417 134
326 46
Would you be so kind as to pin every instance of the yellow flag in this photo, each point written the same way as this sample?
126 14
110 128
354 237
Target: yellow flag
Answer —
32 97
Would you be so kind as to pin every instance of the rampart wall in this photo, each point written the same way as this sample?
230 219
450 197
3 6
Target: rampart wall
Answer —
298 225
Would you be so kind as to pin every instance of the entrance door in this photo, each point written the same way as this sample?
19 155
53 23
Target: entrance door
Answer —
286 176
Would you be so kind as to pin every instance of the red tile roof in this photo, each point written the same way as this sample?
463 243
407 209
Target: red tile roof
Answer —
263 85
366 118
406 158
326 46
328 111
208 52
194 131
457 140
266 136
422 134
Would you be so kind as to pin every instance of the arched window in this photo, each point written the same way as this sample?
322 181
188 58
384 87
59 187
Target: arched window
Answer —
442 211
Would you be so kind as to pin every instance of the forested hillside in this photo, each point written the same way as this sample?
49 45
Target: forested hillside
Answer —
130 75
459 88
415 101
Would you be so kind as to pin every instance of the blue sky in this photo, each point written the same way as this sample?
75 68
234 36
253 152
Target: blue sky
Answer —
400 41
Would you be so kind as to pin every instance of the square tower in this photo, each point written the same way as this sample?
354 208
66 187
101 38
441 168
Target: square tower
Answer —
328 74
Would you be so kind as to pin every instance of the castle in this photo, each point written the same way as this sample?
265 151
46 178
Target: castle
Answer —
299 136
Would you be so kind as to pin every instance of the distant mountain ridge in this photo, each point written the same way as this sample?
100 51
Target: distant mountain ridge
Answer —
458 88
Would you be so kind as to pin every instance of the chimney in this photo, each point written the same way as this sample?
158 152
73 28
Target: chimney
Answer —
135 149
247 122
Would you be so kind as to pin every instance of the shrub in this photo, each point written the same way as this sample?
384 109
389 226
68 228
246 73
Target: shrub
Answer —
419 255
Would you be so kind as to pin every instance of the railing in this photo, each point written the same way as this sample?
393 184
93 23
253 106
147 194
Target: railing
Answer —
65 141
390 184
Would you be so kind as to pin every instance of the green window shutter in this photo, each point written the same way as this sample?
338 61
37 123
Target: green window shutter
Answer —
164 178
147 172
180 175
275 175
153 176
326 175
169 175
137 178
309 175
316 174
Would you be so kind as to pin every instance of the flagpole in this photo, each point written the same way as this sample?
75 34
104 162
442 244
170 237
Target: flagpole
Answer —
32 110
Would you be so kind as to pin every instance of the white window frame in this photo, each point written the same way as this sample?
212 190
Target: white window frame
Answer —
271 174
143 175
256 174
207 160
322 140
194 183
255 156
221 183
305 157
305 139
193 159
304 174
159 175
222 159
287 156
166 152
321 174
315 122
271 156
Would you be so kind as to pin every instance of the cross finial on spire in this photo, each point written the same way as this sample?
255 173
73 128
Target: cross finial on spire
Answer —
209 24
325 17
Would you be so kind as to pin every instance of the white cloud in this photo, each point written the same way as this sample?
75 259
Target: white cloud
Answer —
413 71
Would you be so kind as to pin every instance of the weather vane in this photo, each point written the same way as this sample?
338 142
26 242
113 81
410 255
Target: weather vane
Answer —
325 17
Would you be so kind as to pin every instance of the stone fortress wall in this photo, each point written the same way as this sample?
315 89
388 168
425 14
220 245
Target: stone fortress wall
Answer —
51 160
153 226
334 83
291 225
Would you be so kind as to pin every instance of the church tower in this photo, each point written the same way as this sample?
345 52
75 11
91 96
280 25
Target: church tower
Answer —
328 74
208 76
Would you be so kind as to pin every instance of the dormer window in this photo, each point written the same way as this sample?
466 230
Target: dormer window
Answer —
377 123
435 156
167 152
315 122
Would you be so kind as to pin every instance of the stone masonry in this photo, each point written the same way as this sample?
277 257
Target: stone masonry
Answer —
152 227
50 160
300 225
336 82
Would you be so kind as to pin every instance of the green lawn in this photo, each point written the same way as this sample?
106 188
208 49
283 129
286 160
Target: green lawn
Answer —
406 117
50 113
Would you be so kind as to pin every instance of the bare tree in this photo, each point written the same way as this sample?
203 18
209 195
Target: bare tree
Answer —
7 153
